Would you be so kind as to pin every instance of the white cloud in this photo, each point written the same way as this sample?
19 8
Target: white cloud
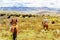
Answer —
30 3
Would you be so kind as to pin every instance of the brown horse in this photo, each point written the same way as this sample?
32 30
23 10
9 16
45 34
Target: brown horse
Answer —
14 31
45 25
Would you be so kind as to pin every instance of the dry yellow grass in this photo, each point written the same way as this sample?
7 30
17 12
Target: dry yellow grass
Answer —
31 29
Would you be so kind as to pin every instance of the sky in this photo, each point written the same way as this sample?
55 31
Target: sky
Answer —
30 3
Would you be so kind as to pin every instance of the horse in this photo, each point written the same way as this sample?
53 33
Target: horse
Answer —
14 34
14 31
45 25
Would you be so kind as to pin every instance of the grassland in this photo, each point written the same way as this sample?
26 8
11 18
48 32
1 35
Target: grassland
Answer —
30 28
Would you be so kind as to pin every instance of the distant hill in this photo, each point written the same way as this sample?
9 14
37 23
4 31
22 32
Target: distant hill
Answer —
28 9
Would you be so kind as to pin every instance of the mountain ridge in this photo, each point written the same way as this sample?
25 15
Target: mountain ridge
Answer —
28 9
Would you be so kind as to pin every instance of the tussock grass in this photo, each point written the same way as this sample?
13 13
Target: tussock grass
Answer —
31 28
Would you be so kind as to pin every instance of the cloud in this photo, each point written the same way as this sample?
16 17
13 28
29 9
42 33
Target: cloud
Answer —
30 3
0 0
19 5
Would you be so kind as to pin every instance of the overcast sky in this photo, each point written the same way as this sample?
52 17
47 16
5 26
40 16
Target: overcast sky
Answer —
30 3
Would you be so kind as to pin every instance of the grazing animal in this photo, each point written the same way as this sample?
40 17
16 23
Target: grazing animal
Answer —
9 17
53 22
